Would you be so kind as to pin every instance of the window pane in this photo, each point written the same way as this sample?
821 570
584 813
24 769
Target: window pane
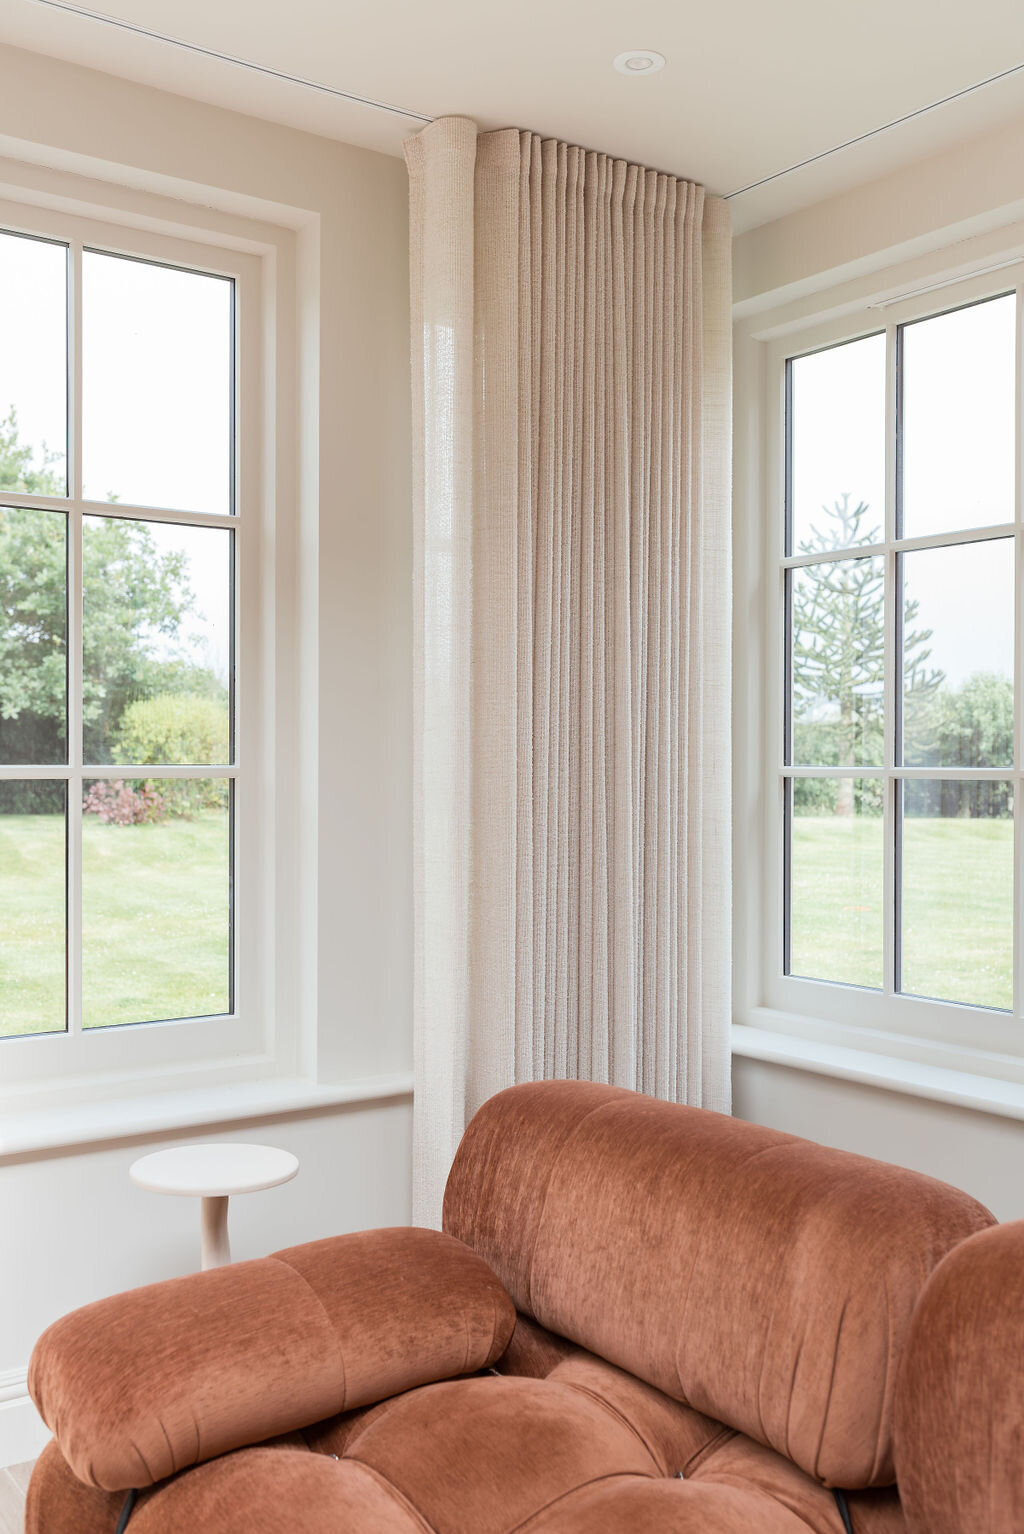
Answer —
156 900
157 638
957 908
33 366
156 382
837 663
837 422
958 406
32 908
33 636
835 873
958 656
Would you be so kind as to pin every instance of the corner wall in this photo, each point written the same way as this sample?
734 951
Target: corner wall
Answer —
959 200
73 1226
76 1229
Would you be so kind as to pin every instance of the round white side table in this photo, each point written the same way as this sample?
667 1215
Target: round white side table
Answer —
213 1173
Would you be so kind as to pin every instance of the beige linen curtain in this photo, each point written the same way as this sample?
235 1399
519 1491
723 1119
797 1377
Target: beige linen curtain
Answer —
571 384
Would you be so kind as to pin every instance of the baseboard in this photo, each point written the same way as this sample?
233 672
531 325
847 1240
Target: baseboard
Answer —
23 1433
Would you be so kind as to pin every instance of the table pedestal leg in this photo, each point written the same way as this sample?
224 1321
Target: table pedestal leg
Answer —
216 1248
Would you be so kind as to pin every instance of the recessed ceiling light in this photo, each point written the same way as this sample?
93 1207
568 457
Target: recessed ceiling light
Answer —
639 61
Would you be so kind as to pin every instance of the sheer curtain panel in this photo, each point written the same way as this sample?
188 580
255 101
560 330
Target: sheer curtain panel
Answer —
571 386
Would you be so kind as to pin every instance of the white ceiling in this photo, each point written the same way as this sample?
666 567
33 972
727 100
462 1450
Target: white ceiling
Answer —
749 89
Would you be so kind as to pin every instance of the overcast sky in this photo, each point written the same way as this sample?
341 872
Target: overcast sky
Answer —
156 396
156 428
958 457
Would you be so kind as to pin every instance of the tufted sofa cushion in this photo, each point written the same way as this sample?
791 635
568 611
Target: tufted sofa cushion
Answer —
585 1450
767 1281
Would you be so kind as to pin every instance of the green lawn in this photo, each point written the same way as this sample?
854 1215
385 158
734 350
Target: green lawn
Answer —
155 921
155 913
957 905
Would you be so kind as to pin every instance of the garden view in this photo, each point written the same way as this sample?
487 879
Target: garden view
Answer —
155 657
957 837
155 852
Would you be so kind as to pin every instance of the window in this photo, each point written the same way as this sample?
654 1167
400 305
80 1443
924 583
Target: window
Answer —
895 737
118 532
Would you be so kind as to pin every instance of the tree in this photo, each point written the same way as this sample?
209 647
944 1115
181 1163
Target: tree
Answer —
135 597
17 472
838 656
132 595
973 728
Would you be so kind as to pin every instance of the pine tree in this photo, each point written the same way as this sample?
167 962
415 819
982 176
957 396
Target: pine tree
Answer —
838 654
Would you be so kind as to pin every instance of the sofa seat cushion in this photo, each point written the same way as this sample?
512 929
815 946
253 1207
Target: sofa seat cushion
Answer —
586 1450
488 1454
708 1506
273 1491
743 1466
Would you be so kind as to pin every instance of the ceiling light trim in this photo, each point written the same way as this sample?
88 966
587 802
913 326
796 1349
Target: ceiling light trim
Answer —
228 58
639 62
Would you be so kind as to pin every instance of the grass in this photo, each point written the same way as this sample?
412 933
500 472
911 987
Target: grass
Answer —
154 915
155 904
957 942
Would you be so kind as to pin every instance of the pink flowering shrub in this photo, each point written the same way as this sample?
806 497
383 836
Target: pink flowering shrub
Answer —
124 804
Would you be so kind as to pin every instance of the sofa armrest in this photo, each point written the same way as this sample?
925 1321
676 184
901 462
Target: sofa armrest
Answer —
141 1385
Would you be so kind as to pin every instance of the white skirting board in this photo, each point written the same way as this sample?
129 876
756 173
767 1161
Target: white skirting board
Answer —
23 1433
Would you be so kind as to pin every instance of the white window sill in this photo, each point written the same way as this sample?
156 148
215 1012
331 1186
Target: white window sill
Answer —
25 1132
966 1089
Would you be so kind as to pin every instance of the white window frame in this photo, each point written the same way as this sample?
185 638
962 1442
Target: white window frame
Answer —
829 1022
245 1044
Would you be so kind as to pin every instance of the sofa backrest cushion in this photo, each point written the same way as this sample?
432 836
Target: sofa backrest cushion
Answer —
767 1281
960 1394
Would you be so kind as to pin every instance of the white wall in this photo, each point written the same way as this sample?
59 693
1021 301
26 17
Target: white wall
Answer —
75 1229
72 1226
976 187
89 1225
961 199
982 1153
356 202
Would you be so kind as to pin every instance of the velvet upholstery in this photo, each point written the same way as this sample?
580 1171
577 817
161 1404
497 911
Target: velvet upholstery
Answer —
587 1448
766 1281
273 1491
59 1503
742 1465
960 1401
710 1321
533 1350
140 1385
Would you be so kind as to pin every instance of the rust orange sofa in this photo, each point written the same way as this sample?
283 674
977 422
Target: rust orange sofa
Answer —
641 1317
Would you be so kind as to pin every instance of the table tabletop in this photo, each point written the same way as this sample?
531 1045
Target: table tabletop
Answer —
214 1171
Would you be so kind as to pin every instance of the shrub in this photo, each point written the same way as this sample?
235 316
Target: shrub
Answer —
173 728
122 804
177 729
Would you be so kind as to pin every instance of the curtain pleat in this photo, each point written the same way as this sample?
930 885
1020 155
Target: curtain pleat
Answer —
571 376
